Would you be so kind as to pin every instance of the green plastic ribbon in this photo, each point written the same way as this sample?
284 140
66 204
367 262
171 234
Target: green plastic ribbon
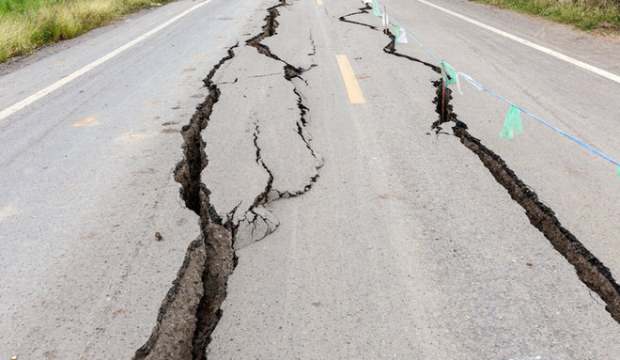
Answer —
376 8
400 34
512 124
449 73
395 30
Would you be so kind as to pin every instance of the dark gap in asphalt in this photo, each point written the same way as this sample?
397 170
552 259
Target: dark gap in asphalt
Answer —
590 270
191 309
188 171
443 107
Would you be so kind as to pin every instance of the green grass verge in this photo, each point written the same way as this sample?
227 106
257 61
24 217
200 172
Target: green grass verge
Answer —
586 15
26 25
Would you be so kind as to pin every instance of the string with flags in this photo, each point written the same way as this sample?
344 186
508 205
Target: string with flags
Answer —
513 124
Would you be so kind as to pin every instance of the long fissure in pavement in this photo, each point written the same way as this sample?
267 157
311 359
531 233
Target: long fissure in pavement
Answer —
590 270
191 309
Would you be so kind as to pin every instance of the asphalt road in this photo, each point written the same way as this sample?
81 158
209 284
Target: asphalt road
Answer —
360 233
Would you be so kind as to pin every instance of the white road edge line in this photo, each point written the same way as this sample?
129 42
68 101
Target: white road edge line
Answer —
606 74
69 78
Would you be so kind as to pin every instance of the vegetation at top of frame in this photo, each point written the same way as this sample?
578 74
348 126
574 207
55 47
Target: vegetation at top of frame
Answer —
584 14
26 25
20 6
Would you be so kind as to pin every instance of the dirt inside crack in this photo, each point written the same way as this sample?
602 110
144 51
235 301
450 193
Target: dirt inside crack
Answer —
590 270
191 309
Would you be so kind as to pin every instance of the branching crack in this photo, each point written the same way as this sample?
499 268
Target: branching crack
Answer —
269 194
268 30
590 270
301 125
191 309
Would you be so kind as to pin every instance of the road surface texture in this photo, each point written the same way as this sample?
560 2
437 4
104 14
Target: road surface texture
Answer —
279 180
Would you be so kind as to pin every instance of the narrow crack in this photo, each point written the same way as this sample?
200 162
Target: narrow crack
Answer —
263 197
590 270
301 125
362 10
312 44
256 211
265 75
390 48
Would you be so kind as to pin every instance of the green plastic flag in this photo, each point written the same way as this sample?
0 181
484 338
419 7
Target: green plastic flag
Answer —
376 8
449 74
395 30
513 124
400 34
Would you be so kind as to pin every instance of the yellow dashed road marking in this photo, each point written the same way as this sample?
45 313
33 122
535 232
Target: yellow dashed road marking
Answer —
350 81
85 122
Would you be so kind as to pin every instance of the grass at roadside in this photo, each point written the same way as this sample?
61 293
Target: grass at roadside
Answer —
586 15
26 25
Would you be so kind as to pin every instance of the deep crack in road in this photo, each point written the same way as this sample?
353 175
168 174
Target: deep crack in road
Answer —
191 309
590 270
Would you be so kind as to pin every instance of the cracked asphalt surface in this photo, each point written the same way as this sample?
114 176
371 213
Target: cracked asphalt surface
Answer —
307 227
